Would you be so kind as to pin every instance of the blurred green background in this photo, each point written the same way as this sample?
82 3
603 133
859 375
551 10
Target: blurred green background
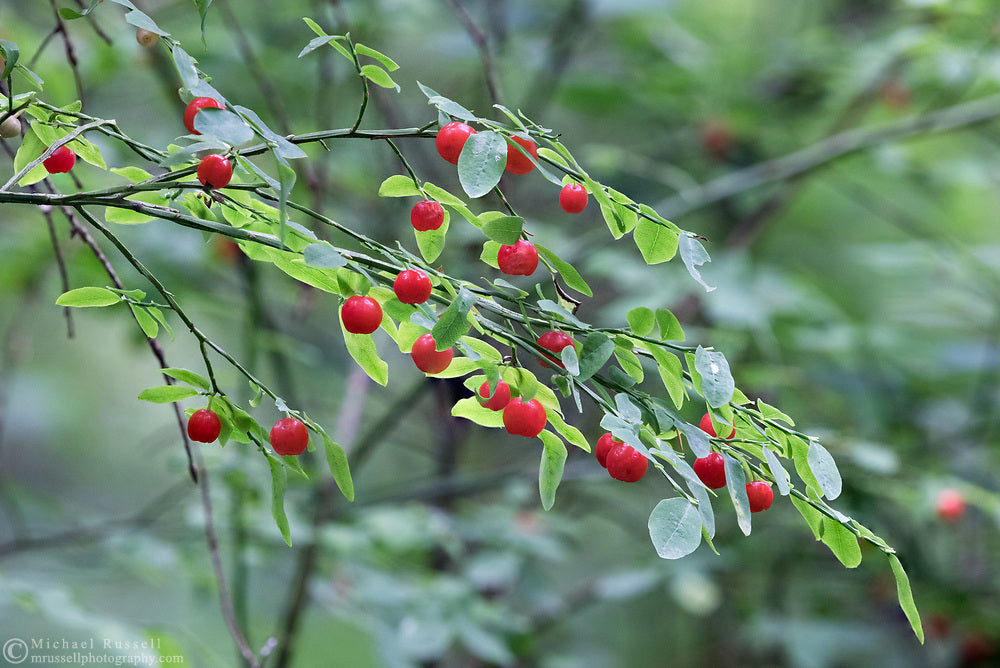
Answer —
862 297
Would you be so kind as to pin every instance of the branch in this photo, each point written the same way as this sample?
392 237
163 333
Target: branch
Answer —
829 150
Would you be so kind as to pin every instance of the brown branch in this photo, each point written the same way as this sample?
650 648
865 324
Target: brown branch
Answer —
481 41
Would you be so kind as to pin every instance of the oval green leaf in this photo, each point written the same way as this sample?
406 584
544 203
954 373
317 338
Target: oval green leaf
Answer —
675 528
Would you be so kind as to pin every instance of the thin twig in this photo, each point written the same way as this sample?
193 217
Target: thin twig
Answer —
483 45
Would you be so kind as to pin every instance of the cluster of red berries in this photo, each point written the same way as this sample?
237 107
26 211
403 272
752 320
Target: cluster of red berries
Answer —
521 418
623 462
711 470
214 171
289 435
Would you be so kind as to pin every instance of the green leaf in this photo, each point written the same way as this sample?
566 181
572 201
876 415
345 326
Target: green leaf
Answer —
504 230
596 351
189 377
166 394
378 76
132 173
279 483
671 373
482 163
146 321
88 152
446 106
11 53
809 513
203 6
771 413
431 243
572 435
656 243
454 322
641 320
629 361
398 185
223 124
570 361
550 470
87 297
362 349
388 62
694 255
778 471
717 384
442 196
470 409
799 453
323 256
557 310
842 542
185 66
569 273
906 597
823 466
675 528
281 146
736 482
336 459
670 328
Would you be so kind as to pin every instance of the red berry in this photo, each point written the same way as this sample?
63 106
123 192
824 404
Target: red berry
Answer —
520 259
708 428
500 398
604 445
215 171
573 198
361 315
760 496
204 426
451 140
950 505
711 470
61 160
412 286
427 357
426 215
289 436
196 105
517 162
526 418
627 464
554 341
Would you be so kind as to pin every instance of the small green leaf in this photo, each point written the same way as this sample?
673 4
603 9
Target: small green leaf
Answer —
189 377
165 394
641 320
809 513
446 106
336 458
482 163
675 528
550 470
570 361
629 361
324 256
470 409
398 185
279 483
88 297
656 243
670 328
736 482
842 542
778 471
431 243
504 230
557 310
596 351
378 76
572 435
566 270
146 321
717 384
131 173
362 348
771 413
11 54
906 597
454 322
223 124
823 466
388 62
